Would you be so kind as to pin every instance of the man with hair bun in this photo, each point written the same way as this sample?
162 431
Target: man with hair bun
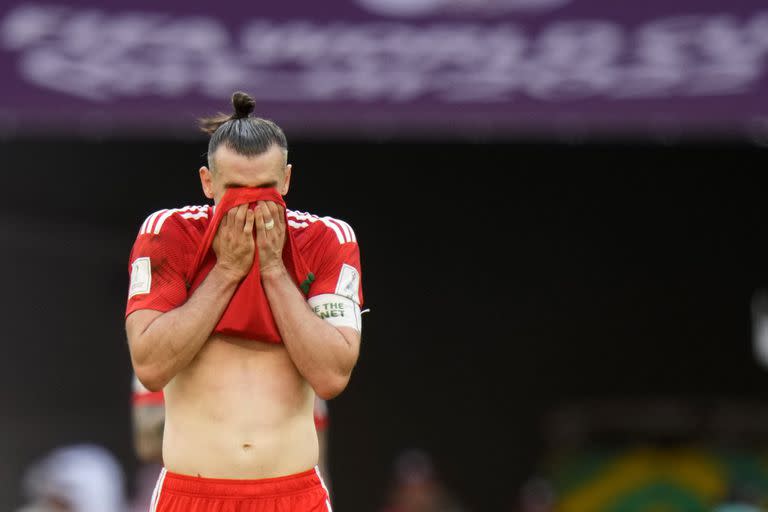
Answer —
242 313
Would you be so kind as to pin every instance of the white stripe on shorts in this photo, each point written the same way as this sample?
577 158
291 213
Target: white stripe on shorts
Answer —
157 491
327 500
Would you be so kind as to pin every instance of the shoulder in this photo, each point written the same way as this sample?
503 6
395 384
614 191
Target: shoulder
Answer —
172 221
317 228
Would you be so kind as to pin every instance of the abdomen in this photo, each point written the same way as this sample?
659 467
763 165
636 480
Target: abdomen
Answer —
239 410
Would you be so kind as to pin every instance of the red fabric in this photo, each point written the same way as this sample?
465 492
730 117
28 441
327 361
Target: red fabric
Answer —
149 398
170 251
170 239
320 414
328 248
302 492
321 423
248 314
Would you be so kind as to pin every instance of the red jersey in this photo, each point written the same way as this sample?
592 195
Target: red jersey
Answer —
168 241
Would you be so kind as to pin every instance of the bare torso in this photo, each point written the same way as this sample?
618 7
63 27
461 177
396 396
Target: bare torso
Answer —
240 410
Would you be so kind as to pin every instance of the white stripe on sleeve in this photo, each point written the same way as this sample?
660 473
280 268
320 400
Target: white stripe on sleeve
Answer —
151 221
160 222
348 229
334 227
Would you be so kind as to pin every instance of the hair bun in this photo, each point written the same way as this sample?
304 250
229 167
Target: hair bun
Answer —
243 105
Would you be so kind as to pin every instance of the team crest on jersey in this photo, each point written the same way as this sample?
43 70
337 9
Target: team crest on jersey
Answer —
307 283
141 277
348 284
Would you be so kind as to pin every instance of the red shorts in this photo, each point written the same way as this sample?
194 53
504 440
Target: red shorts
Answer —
302 492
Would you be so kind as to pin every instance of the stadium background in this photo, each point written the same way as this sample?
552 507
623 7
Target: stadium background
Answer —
562 304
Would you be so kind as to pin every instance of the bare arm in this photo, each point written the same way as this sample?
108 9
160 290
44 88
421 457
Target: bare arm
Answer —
162 344
324 355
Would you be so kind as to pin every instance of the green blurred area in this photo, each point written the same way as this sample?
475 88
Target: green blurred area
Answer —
652 479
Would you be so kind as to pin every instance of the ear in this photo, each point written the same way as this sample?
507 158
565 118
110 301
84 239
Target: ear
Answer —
287 181
206 180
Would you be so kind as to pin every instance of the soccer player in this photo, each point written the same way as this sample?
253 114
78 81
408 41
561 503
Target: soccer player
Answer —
241 338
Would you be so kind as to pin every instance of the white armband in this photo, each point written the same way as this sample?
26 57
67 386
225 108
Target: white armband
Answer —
337 310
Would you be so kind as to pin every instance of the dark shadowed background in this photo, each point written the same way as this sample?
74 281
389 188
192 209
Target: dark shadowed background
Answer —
504 280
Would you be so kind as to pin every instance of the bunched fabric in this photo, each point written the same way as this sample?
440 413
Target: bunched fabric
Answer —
248 314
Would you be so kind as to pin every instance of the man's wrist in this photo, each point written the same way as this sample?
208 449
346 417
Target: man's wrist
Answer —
273 272
227 275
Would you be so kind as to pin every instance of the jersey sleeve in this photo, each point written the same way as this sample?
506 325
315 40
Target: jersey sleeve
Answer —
338 263
158 264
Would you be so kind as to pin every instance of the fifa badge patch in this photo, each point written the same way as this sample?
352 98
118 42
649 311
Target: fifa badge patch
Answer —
141 277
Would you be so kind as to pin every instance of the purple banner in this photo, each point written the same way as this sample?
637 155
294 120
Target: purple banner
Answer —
389 67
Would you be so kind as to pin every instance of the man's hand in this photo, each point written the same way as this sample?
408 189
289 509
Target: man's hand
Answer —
163 344
233 244
323 354
270 241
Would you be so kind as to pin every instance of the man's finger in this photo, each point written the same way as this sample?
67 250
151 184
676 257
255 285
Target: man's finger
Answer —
264 207
232 217
249 220
279 217
261 231
274 212
240 215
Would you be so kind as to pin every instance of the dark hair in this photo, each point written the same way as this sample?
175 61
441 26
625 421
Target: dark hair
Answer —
240 132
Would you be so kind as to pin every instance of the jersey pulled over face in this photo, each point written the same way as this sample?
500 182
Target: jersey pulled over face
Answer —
168 241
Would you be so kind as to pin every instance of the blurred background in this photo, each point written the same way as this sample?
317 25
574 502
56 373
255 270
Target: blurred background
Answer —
562 213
